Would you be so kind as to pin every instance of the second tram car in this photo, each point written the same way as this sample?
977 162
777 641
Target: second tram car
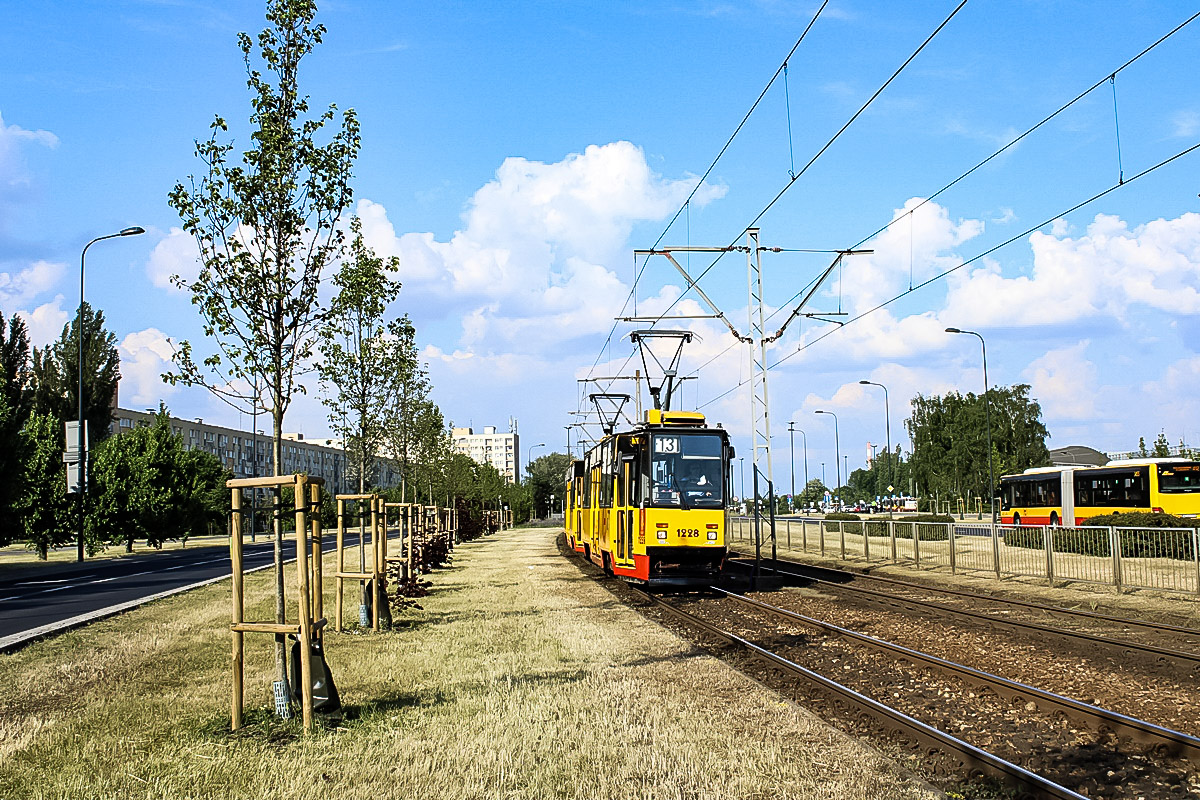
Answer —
648 504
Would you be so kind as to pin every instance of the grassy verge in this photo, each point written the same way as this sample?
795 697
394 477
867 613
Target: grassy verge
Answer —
520 678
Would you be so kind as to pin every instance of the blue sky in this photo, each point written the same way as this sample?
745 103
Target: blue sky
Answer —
515 154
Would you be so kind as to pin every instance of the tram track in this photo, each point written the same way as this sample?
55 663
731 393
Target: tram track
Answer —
1172 658
971 760
999 714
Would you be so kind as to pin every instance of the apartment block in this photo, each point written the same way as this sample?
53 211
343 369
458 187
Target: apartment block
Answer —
501 450
248 454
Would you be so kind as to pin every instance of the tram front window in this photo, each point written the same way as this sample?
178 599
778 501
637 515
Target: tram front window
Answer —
687 464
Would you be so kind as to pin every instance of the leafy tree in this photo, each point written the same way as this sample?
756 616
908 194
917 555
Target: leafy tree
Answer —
15 378
356 353
147 486
813 493
43 506
546 475
1162 448
56 375
266 229
1142 451
949 439
16 403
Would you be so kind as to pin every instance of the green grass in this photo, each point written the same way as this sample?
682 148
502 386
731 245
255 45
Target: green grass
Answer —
521 678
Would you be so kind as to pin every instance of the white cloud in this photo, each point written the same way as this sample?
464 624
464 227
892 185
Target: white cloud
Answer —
175 254
1185 123
534 257
1065 383
19 289
46 322
14 179
145 356
1106 271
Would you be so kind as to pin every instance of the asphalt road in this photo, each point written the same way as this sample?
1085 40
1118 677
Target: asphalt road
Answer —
45 600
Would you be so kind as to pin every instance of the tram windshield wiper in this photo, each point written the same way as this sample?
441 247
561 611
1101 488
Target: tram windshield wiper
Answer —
682 499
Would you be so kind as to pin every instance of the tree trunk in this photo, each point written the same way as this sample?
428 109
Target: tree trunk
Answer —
280 608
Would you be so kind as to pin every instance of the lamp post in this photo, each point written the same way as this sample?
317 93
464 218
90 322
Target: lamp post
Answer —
987 415
529 454
742 473
837 447
887 426
79 441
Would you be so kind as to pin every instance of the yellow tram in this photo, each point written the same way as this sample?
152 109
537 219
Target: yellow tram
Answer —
648 504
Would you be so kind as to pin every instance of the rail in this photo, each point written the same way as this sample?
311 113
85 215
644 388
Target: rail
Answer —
968 755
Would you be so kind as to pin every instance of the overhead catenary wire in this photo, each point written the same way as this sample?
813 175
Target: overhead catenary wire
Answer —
794 178
967 262
1008 146
632 296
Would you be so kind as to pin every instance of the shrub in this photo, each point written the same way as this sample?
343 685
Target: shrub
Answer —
1139 519
841 516
1139 537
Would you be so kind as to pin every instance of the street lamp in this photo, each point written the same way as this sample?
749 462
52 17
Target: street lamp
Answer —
887 424
529 454
742 473
79 441
804 441
837 448
987 415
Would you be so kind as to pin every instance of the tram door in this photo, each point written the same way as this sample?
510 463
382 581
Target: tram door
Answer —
624 517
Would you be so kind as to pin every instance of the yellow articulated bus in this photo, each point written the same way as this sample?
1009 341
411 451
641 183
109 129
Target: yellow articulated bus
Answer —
648 504
1070 495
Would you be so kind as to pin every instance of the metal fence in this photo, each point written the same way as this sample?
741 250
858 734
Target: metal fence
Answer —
1164 559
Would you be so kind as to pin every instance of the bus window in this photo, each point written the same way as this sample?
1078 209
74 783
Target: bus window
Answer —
1178 478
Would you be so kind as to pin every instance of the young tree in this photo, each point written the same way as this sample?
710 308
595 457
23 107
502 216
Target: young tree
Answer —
356 354
408 412
1162 448
266 229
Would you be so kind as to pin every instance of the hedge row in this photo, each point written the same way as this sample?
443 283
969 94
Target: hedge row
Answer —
1143 541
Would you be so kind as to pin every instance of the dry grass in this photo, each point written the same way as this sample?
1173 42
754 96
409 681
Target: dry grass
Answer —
521 678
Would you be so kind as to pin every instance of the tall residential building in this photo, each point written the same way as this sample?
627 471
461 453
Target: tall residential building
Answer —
501 450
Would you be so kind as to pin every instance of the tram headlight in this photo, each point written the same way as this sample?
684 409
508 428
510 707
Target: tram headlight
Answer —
662 536
712 536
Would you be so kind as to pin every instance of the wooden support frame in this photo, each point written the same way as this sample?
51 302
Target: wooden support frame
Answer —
404 524
378 568
309 601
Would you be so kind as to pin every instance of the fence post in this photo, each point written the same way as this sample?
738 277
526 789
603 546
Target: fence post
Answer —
842 537
866 531
1114 543
953 563
787 524
821 528
804 534
916 532
1048 538
996 547
1196 555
